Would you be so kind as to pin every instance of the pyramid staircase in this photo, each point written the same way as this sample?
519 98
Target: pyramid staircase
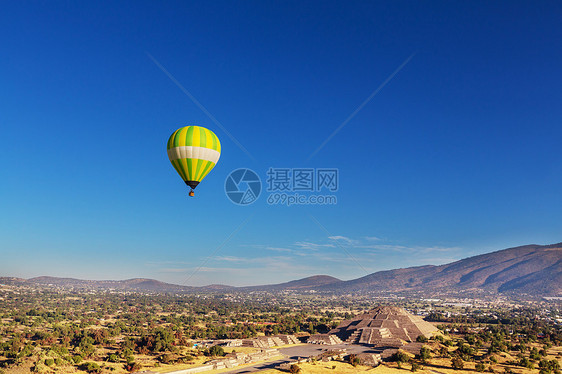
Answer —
354 337
385 326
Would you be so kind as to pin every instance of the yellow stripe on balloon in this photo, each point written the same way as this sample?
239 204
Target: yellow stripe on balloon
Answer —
206 169
185 168
201 167
177 166
175 163
192 168
171 140
218 144
209 139
196 139
181 136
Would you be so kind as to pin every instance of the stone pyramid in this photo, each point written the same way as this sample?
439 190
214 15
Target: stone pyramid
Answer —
384 326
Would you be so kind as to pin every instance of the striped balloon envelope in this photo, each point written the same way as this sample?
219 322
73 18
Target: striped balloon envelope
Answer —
193 151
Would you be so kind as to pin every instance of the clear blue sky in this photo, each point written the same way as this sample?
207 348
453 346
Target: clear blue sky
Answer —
458 154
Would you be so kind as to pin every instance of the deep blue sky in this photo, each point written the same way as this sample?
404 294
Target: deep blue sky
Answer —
458 154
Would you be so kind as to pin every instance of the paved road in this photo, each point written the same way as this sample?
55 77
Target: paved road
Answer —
258 367
293 353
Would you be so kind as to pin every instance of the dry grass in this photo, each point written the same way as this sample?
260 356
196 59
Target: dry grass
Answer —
326 367
170 368
240 349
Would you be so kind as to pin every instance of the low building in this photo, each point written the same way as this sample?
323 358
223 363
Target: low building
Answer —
328 339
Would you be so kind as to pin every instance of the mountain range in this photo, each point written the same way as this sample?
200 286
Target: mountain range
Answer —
530 269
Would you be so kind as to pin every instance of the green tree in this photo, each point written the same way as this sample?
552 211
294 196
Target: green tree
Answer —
457 363
90 367
132 367
421 339
400 357
534 355
425 353
480 367
526 363
354 360
86 346
215 350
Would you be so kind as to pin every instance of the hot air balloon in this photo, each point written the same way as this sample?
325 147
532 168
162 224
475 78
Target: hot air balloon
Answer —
193 151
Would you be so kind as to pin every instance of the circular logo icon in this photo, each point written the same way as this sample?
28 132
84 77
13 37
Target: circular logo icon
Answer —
242 186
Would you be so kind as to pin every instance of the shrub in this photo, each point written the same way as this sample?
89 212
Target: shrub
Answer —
90 367
457 363
421 339
215 350
132 367
425 353
526 363
465 349
400 356
49 362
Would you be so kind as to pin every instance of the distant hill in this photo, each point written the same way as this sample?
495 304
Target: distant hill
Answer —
136 284
532 269
301 284
143 284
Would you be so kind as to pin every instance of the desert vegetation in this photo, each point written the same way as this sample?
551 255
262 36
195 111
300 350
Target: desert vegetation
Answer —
53 330
90 331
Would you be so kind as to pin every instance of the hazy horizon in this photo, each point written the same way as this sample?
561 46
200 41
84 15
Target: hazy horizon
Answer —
257 283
